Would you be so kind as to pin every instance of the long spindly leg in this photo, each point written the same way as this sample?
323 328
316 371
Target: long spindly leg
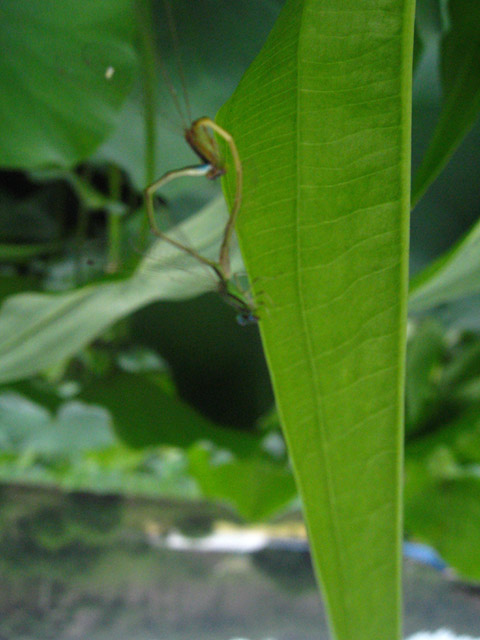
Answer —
200 170
224 258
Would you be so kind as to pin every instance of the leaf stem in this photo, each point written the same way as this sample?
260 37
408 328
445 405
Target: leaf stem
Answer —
148 70
114 222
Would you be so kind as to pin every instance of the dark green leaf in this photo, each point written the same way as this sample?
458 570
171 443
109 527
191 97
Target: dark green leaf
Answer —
24 252
144 414
425 353
454 275
461 83
65 70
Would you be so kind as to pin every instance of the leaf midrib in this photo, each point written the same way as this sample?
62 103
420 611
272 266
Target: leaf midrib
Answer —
319 418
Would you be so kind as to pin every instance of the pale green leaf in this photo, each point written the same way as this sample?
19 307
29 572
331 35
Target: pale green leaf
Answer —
39 330
454 275
28 427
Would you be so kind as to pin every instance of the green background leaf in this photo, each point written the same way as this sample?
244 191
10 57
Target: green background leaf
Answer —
145 414
461 86
234 29
39 330
76 428
256 487
56 102
454 275
442 492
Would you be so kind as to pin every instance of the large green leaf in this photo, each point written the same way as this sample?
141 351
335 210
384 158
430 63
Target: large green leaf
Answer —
461 83
65 70
38 330
454 275
322 123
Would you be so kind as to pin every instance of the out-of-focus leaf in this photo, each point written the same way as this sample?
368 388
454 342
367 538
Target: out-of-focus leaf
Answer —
20 420
39 330
464 365
428 27
431 18
454 275
23 252
469 391
424 357
77 427
144 414
442 494
86 192
461 83
256 487
218 366
33 218
65 70
418 47
235 29
13 284
446 515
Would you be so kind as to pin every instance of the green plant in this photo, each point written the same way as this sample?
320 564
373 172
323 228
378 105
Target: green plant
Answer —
322 123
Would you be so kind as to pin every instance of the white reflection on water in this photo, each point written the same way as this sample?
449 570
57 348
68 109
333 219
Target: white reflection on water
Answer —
441 634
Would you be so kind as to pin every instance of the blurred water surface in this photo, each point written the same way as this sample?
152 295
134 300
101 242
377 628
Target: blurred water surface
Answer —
76 566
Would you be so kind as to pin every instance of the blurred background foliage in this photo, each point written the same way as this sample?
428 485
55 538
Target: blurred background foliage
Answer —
123 380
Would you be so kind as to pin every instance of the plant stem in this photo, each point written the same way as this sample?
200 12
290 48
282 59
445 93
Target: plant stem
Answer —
81 232
114 222
148 65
